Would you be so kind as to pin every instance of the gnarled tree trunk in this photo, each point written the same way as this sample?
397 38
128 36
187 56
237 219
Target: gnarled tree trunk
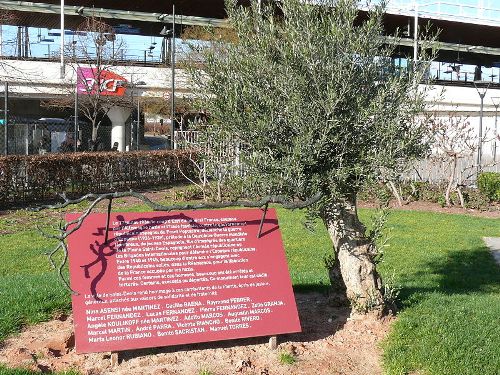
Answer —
354 267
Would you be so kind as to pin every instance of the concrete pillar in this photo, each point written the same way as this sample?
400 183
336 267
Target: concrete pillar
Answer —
118 116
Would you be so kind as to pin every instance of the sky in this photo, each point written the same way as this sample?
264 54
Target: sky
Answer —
40 47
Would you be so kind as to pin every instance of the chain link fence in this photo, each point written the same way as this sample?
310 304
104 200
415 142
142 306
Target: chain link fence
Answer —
41 137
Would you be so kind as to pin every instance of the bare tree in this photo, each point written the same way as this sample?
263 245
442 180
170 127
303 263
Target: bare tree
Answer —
454 139
91 55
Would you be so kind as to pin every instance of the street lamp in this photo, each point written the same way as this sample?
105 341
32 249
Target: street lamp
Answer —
62 67
6 118
415 36
496 103
165 51
481 88
76 115
138 121
165 32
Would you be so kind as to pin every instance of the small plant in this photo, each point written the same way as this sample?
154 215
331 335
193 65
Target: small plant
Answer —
189 193
205 372
442 201
390 292
287 358
378 236
365 305
329 261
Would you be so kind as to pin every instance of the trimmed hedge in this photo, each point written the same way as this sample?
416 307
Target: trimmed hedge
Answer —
26 179
489 185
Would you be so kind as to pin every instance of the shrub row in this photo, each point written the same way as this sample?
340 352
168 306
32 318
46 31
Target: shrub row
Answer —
26 179
489 184
425 192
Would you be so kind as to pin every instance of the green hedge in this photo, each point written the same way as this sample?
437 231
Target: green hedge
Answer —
489 185
31 178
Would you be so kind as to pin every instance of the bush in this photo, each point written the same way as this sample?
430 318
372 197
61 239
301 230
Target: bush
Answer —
474 198
489 185
376 192
40 177
189 193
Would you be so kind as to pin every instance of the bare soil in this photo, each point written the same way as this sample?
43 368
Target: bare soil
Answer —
332 342
493 211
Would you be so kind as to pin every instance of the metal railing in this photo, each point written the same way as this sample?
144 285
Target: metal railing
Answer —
484 11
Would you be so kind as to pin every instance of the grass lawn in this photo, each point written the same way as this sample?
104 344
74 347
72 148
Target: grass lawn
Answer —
6 371
450 286
450 319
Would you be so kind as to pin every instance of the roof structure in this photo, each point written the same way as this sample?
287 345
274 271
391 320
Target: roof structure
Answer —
465 41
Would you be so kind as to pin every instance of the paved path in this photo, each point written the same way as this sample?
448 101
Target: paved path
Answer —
494 244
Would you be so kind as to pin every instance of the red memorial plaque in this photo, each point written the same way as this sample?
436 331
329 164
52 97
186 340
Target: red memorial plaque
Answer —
178 278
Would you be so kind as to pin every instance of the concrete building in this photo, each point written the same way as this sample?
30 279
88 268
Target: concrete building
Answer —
467 66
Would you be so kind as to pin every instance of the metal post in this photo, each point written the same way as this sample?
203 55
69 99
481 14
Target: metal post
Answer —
415 37
19 41
132 122
496 103
108 216
6 118
480 141
26 42
496 132
172 99
481 94
62 40
137 125
76 117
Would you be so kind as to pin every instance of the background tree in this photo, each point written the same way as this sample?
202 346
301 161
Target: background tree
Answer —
309 95
455 143
95 48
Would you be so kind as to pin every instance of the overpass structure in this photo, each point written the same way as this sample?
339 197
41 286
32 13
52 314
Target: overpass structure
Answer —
468 39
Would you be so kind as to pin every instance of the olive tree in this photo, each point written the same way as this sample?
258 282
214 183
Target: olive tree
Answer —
311 97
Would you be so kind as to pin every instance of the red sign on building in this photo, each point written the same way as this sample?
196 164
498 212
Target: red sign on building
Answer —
177 278
92 81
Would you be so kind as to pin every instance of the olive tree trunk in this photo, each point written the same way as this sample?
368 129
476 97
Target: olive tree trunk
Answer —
353 272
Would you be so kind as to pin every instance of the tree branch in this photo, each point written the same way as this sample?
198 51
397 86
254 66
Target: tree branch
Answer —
72 226
269 199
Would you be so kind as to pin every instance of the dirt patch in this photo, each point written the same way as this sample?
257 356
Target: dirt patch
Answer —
332 342
493 212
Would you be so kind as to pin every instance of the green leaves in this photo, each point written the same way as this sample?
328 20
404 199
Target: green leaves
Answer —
311 97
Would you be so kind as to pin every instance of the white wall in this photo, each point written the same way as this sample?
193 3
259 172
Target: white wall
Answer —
465 101
39 78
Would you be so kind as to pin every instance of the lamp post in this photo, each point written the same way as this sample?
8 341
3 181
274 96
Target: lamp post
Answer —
6 118
172 100
481 88
496 103
415 36
62 40
138 118
76 116
165 32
